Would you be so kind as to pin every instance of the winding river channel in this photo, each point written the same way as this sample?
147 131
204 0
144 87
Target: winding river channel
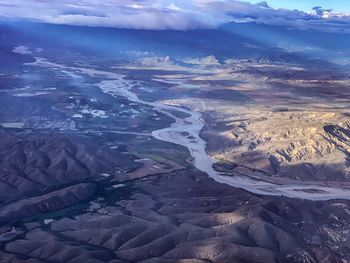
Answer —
186 132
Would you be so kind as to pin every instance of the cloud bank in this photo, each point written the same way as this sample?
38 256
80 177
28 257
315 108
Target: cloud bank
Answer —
168 14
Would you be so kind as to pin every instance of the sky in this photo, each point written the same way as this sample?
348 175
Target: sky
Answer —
181 14
307 5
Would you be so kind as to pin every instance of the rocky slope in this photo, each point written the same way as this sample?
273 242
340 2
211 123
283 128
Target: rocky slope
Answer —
187 217
295 144
46 172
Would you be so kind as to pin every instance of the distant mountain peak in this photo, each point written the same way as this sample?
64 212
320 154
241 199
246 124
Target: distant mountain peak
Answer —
209 60
152 61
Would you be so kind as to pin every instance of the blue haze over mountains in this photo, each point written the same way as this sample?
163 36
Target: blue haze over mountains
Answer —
232 40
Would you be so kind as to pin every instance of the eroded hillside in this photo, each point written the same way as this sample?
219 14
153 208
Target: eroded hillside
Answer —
298 145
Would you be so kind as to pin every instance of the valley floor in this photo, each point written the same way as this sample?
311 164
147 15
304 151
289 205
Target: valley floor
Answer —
112 166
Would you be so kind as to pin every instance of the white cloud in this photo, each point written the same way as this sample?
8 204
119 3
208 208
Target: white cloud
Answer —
139 14
167 14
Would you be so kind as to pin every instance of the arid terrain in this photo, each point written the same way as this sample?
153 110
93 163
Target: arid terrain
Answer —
156 159
303 145
159 220
298 133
